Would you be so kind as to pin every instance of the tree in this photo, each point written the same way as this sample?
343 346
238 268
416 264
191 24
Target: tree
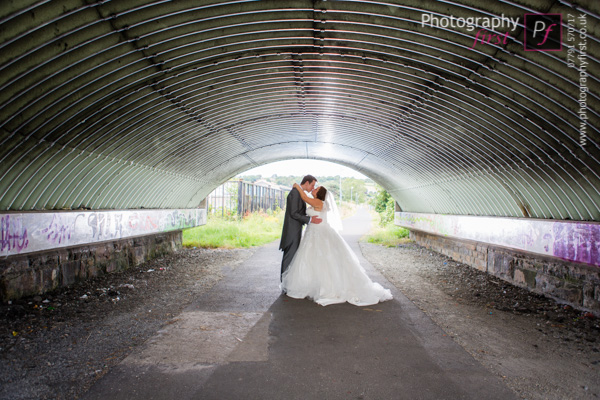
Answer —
287 180
249 178
385 205
354 187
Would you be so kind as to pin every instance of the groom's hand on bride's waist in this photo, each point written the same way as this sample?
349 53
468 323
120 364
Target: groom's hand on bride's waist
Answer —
315 220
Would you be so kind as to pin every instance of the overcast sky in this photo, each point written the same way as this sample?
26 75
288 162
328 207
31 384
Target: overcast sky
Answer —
304 167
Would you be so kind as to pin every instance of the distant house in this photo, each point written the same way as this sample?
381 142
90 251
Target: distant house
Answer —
371 188
265 183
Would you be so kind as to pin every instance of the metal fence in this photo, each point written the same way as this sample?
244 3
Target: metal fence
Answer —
240 198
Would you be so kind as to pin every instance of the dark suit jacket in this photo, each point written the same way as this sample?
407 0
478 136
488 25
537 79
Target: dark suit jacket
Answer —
295 217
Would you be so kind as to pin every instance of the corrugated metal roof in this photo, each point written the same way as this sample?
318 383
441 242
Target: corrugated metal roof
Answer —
137 103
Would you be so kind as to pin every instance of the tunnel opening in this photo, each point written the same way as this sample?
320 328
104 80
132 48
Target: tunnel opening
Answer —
115 107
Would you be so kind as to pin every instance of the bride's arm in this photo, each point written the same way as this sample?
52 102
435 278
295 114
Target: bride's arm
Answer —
316 203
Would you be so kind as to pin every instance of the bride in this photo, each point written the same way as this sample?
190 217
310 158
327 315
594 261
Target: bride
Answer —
324 268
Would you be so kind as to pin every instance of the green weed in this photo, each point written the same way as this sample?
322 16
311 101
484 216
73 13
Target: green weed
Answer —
253 230
388 235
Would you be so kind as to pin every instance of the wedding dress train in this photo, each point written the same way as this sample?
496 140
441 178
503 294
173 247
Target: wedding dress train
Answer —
326 270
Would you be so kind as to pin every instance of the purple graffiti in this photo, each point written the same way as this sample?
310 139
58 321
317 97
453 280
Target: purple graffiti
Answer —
12 235
527 239
57 231
577 242
547 240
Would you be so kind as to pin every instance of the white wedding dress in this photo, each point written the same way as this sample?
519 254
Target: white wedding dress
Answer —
326 270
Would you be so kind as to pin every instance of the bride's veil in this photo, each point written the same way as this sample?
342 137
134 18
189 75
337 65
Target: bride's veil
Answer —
333 215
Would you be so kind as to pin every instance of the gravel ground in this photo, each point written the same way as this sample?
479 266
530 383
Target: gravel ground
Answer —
541 349
57 345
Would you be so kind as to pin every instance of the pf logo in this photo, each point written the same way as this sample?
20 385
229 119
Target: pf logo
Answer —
543 32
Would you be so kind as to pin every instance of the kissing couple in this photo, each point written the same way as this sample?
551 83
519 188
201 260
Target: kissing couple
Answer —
320 265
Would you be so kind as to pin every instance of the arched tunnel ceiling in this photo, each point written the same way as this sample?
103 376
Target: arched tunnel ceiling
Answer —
136 103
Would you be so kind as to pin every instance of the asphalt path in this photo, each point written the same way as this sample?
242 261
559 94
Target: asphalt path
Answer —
245 340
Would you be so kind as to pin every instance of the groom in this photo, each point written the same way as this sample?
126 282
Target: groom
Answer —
295 217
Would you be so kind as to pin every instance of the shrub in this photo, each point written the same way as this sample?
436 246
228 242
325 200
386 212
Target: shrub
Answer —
384 205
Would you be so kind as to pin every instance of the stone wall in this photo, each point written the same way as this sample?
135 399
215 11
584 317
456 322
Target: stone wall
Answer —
39 272
568 282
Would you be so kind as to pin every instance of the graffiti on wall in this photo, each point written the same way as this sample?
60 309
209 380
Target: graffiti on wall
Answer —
571 241
13 234
577 241
35 231
58 231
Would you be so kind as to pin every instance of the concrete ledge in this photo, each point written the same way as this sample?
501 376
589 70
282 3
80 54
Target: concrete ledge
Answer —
39 272
35 231
573 241
573 283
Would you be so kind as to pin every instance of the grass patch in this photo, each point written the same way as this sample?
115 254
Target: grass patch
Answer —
388 235
253 230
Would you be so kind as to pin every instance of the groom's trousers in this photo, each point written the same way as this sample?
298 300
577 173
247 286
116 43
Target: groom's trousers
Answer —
288 255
